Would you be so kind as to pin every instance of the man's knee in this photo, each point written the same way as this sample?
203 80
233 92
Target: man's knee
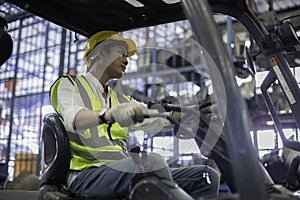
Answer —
154 162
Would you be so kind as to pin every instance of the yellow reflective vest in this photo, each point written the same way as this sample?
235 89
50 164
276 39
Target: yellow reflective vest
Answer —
99 144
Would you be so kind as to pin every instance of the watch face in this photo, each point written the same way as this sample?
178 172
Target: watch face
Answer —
102 111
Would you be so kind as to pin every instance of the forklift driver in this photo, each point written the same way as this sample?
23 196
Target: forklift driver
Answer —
98 122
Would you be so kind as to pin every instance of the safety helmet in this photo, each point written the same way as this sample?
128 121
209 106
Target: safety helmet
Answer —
107 35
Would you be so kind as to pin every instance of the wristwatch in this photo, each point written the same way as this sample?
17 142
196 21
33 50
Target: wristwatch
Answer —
102 116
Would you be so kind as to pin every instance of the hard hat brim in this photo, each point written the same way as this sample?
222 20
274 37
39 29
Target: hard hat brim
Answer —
130 45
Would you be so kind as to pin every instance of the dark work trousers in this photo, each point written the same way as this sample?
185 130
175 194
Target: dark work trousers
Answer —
114 180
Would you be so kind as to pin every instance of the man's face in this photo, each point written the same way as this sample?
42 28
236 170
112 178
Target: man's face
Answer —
116 60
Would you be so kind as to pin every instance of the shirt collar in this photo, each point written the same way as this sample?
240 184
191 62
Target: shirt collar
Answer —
93 81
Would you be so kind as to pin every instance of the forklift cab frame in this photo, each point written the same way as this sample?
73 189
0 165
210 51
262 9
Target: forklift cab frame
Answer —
199 13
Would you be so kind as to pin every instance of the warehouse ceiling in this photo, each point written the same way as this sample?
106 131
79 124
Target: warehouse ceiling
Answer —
89 16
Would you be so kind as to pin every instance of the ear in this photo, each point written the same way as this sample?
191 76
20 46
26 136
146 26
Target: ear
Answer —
96 53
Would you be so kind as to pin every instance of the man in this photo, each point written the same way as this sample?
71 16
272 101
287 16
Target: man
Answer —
97 118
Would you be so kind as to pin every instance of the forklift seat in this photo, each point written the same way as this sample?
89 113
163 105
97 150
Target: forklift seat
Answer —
55 158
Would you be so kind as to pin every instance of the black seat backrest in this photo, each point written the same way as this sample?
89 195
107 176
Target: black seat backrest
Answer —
55 152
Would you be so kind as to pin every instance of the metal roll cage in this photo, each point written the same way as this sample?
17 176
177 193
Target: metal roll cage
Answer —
248 175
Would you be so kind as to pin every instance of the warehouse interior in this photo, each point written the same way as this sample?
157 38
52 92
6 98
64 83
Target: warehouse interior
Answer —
169 66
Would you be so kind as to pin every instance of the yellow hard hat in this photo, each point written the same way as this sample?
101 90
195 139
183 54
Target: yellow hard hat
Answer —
107 35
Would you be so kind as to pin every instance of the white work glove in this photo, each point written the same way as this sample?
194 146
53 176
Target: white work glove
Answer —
125 114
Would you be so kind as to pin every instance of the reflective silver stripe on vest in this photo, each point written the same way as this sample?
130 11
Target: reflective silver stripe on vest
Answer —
103 155
121 98
95 139
90 142
87 102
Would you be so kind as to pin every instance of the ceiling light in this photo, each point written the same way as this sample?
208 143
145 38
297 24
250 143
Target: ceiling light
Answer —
282 111
135 3
171 1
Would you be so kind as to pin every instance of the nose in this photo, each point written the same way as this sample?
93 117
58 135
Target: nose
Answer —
125 61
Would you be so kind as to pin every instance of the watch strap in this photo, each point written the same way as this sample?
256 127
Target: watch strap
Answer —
102 116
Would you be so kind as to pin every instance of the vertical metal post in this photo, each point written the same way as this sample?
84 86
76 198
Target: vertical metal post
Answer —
11 118
69 56
255 141
62 52
275 138
175 148
154 66
43 88
229 37
248 175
